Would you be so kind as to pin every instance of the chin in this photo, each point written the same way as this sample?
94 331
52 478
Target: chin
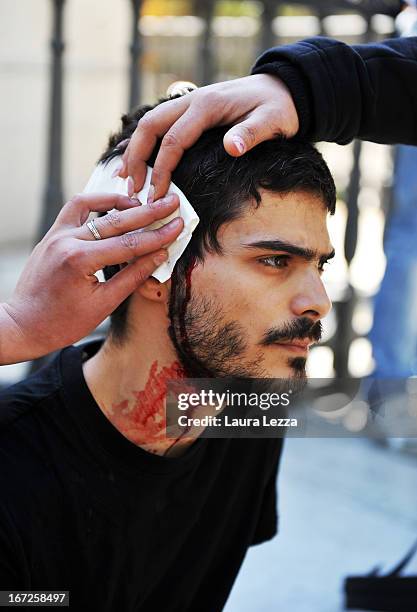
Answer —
279 372
294 368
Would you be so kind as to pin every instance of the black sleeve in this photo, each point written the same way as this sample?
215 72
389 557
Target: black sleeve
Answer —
343 92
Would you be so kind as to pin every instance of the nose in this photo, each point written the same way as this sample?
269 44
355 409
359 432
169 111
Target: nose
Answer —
311 299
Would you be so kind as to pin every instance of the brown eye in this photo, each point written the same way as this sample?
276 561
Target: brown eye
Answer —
275 261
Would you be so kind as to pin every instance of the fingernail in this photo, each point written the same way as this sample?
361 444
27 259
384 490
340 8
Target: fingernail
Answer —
239 144
116 171
151 194
167 200
159 258
174 224
130 186
135 202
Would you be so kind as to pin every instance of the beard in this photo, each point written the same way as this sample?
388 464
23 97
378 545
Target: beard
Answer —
210 346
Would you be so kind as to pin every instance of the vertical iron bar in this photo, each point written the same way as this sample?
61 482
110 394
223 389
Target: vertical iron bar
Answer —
135 51
205 65
53 195
321 13
267 38
351 236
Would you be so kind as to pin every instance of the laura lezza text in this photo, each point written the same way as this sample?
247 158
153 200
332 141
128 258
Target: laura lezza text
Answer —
227 421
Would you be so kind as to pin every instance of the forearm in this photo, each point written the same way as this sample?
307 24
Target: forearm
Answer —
343 92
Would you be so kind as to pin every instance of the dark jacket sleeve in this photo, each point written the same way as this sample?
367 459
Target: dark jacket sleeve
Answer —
343 92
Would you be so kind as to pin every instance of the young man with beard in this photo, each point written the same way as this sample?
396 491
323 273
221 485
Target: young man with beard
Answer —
93 501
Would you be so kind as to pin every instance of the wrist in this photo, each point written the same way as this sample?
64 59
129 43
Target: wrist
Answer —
296 85
13 346
286 101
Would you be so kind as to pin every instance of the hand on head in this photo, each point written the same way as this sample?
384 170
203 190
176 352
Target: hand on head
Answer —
259 107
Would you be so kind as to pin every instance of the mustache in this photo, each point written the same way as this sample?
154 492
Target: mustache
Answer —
295 330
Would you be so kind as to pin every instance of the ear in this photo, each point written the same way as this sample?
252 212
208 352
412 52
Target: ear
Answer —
155 291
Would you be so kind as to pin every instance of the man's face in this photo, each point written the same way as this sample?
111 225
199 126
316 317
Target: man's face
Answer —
253 310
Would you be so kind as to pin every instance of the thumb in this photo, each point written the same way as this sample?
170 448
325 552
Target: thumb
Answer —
122 284
258 126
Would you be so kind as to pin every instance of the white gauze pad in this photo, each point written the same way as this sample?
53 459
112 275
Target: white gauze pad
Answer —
101 181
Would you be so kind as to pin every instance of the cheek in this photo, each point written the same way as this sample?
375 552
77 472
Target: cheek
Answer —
252 300
225 288
211 280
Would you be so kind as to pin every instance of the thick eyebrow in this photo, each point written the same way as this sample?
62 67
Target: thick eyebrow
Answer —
293 249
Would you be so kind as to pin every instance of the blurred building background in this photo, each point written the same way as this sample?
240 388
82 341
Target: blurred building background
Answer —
336 517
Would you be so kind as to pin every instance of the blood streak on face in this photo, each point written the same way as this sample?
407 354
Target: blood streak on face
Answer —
180 319
183 331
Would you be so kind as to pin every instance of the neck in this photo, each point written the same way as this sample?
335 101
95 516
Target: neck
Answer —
128 382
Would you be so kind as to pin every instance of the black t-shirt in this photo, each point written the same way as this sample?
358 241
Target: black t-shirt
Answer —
84 509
